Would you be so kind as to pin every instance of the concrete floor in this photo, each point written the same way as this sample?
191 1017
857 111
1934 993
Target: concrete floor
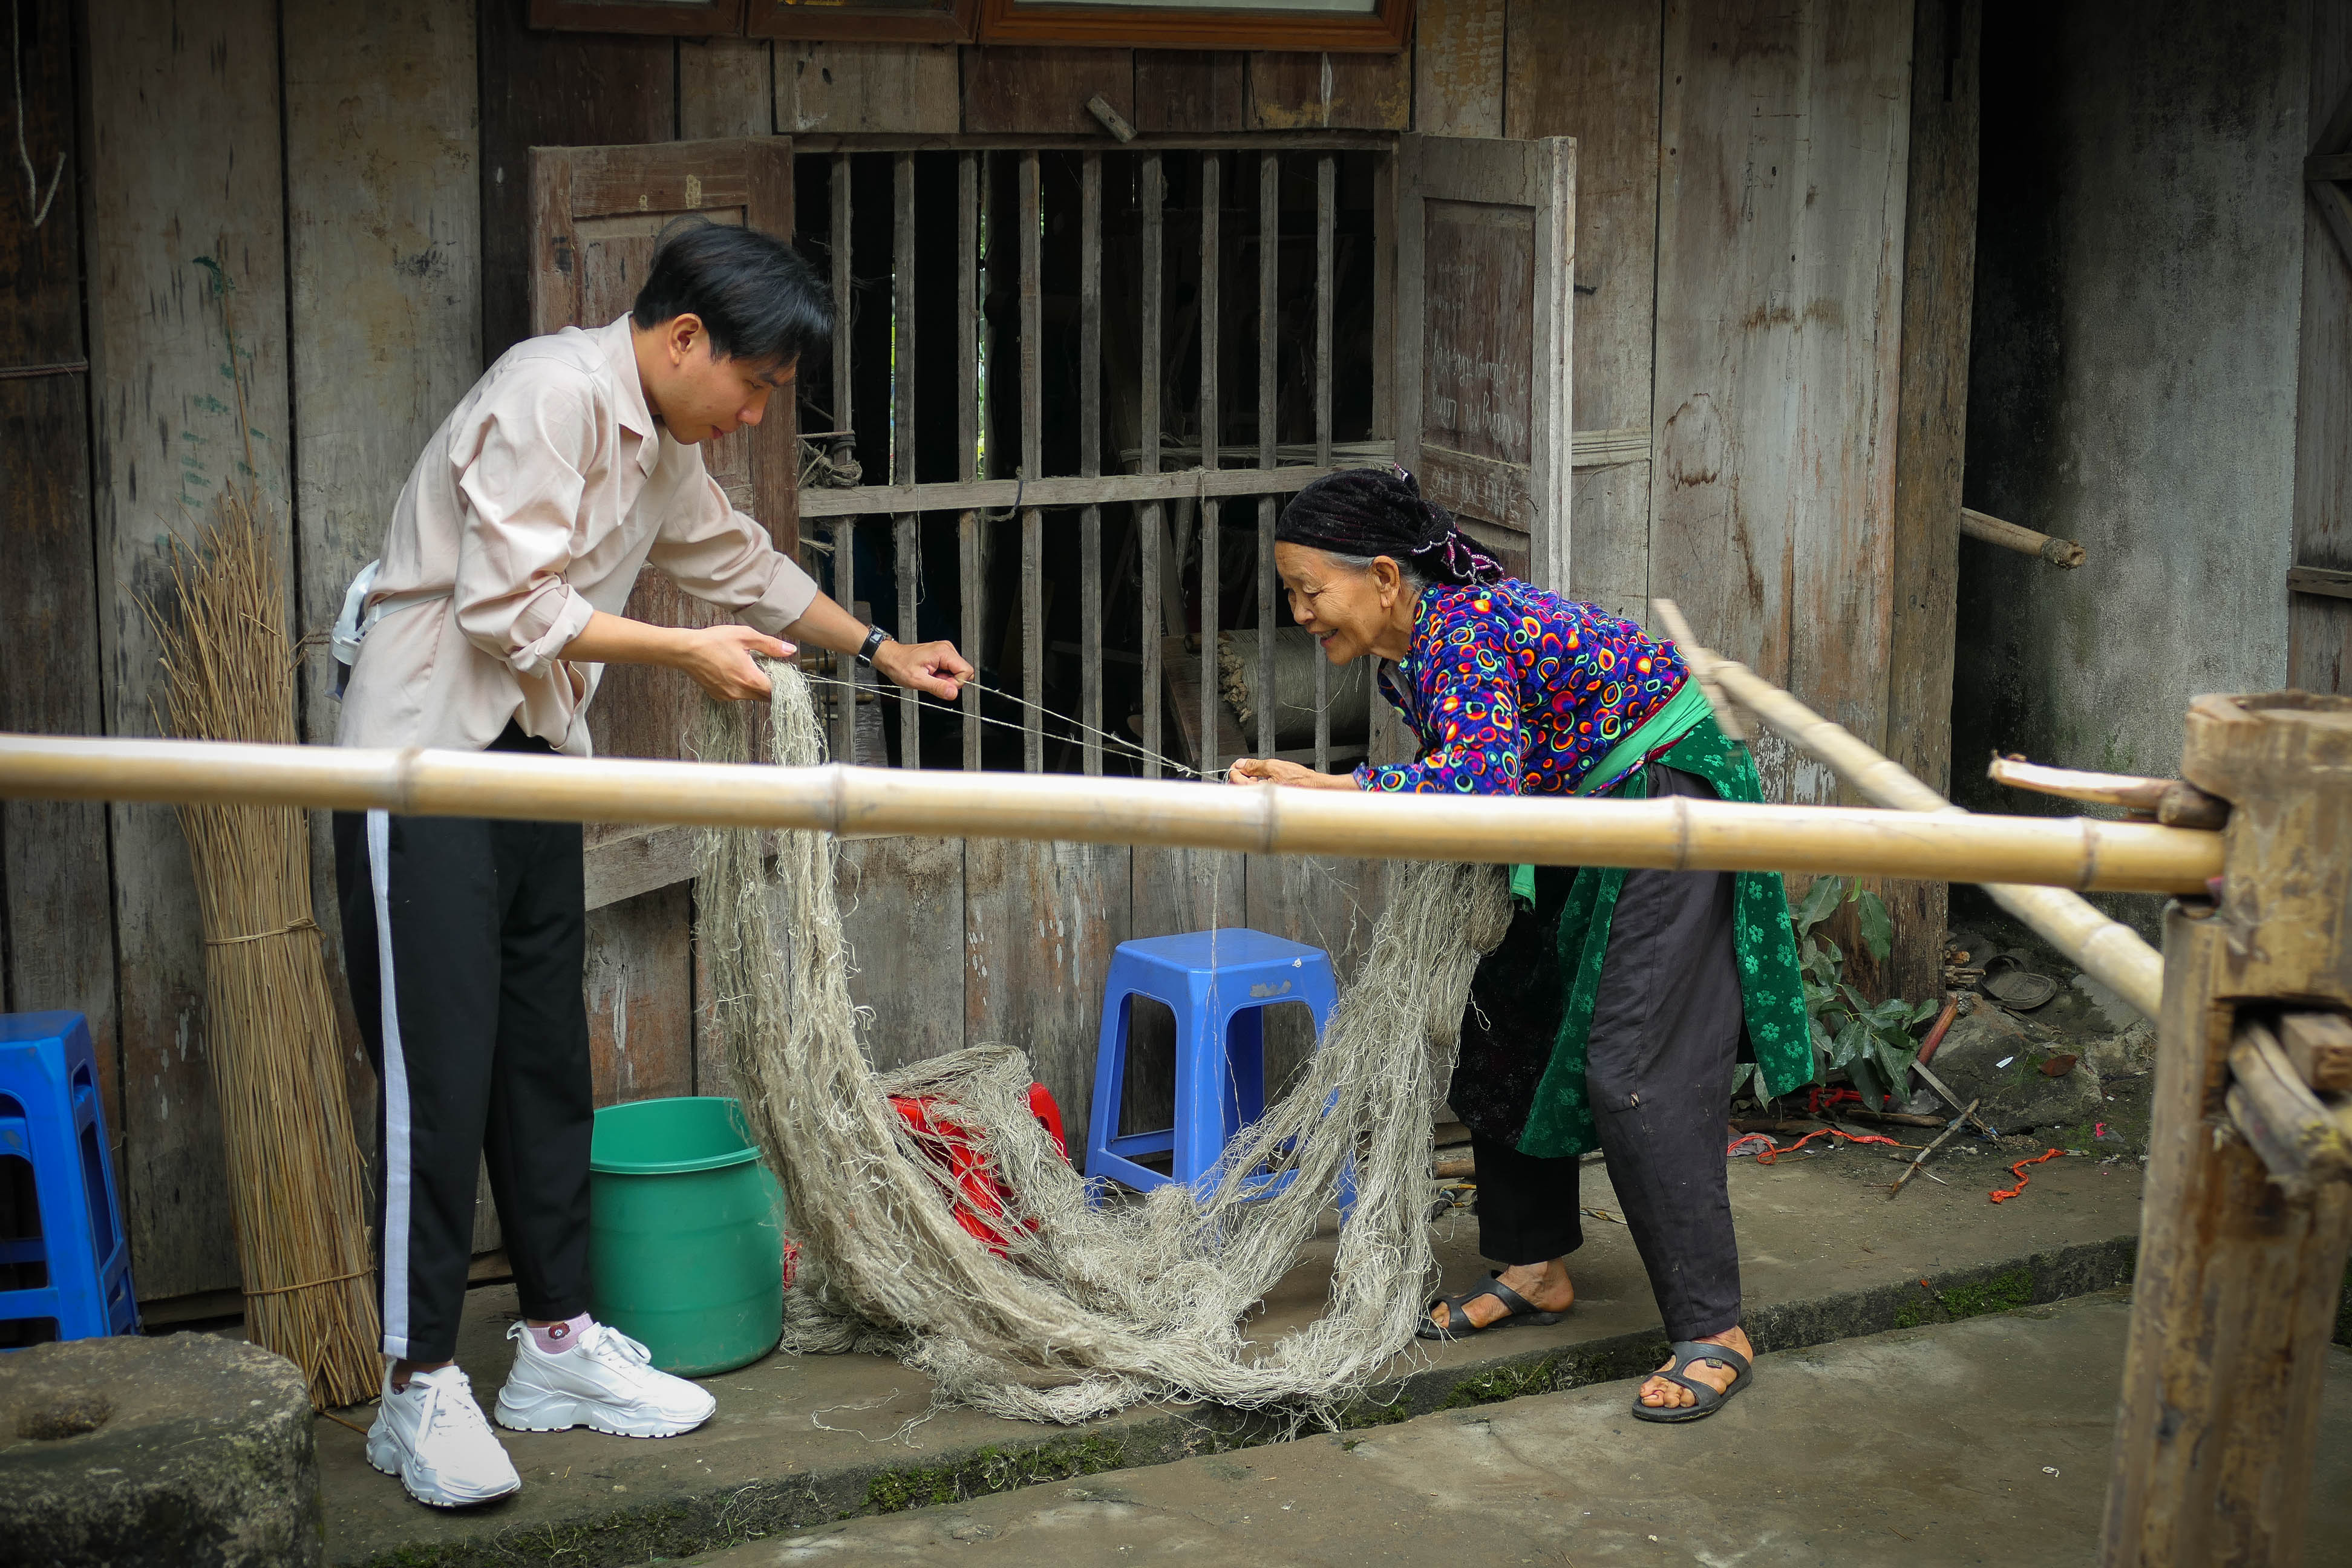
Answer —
1979 1442
800 1439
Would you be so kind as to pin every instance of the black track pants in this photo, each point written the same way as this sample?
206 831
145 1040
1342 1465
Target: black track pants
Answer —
480 1044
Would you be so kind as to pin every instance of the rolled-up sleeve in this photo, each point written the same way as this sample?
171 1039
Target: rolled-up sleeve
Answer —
520 470
725 558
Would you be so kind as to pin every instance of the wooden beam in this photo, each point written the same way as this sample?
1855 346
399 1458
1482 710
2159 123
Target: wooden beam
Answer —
2235 1294
2319 1046
2173 802
2324 581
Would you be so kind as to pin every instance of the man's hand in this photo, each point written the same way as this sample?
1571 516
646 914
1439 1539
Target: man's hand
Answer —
720 660
1274 770
932 667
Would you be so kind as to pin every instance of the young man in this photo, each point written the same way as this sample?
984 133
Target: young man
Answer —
575 461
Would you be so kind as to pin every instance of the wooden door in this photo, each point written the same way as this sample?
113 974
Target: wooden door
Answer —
597 213
1485 267
2319 583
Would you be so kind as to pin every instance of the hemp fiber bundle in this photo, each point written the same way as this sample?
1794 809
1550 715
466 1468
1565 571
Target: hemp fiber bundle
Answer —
1091 1309
294 1175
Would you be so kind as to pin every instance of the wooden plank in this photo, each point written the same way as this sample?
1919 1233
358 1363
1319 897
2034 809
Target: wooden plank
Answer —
1212 167
1033 461
1151 520
726 87
858 88
1939 292
55 924
968 424
843 740
1041 922
905 526
1326 243
902 902
1045 89
1785 138
1189 90
1269 317
1090 355
2325 581
1089 140
580 89
1068 490
1172 891
385 282
619 867
640 993
1457 86
1330 92
1591 71
1324 902
182 123
2319 629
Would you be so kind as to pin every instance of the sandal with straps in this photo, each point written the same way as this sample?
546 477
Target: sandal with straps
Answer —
1458 1325
1686 1353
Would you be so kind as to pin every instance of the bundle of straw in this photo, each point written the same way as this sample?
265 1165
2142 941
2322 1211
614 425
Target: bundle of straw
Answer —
295 1171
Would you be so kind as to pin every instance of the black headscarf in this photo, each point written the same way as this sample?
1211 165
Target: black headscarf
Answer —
1380 511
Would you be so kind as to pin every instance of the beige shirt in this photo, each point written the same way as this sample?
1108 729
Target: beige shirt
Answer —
533 507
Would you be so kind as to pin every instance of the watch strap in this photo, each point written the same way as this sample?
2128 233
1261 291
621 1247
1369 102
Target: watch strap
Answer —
875 638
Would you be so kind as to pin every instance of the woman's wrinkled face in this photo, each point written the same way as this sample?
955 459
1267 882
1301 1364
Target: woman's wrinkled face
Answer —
1352 611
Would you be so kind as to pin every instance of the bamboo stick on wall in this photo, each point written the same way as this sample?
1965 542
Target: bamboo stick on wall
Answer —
2111 952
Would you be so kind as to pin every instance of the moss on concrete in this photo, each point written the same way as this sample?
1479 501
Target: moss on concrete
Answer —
2001 1293
1513 1380
994 1470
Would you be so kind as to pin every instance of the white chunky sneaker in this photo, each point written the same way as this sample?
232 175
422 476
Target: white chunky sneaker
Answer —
605 1382
431 1435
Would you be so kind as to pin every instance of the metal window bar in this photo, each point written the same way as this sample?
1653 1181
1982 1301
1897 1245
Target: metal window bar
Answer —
1269 310
1090 584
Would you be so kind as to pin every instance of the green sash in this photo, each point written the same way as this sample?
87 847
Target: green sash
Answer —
1560 1122
1674 719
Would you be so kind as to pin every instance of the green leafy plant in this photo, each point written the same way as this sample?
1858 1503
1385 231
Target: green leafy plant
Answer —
1876 1037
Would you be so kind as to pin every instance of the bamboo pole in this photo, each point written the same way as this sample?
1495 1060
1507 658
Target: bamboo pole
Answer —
2112 952
2059 553
1674 834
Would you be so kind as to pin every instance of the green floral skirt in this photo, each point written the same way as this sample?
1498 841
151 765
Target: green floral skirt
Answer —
1559 1123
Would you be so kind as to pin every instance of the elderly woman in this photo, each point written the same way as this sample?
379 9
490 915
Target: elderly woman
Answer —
1612 1013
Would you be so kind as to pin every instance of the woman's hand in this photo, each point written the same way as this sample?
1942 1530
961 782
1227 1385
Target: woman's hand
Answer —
1274 770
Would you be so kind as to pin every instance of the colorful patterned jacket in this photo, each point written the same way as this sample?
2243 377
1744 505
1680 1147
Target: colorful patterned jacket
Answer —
1514 690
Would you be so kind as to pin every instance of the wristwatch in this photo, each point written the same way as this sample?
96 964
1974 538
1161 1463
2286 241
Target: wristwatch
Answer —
875 638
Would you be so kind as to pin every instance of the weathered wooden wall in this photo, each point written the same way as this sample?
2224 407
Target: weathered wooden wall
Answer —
357 181
1746 177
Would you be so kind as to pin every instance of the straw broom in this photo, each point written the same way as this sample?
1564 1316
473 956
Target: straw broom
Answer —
295 1172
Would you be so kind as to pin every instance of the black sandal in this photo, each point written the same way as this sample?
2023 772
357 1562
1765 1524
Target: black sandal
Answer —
1686 1353
1516 1309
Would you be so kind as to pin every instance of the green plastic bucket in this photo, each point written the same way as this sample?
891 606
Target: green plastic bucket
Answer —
686 1240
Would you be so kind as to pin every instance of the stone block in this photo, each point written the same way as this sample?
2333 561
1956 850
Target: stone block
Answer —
1990 1056
188 1450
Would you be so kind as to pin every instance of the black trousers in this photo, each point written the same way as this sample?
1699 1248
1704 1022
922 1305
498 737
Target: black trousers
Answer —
465 940
1666 1033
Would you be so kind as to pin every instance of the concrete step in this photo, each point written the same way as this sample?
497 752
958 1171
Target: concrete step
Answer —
1970 1443
801 1440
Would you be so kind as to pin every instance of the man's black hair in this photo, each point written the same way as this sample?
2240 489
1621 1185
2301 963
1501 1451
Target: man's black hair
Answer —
758 299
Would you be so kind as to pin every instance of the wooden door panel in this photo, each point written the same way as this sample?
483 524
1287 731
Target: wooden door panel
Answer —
1485 264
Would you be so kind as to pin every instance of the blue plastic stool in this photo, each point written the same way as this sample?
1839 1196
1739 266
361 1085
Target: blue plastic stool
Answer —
50 1117
1218 983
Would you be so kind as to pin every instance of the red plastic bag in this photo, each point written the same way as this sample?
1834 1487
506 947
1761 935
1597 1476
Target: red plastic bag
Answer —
980 1200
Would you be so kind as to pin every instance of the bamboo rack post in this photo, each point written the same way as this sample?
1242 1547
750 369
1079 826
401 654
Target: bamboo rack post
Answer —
2063 554
2112 952
2235 1293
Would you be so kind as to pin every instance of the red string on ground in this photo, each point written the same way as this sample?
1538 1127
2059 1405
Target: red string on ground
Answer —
2003 1195
1818 1099
1771 1151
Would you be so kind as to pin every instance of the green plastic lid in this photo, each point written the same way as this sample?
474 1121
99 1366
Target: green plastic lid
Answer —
670 1137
